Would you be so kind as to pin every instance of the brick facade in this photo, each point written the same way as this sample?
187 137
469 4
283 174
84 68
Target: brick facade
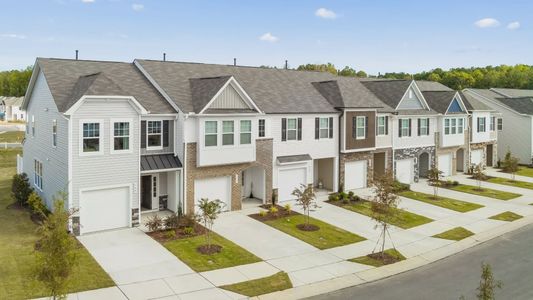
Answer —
263 159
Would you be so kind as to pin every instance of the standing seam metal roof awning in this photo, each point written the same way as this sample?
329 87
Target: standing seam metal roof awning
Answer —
159 162
293 158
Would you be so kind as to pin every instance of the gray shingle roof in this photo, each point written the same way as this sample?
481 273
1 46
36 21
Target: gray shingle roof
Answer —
472 103
439 100
431 86
159 162
70 78
204 89
523 105
388 91
513 93
273 90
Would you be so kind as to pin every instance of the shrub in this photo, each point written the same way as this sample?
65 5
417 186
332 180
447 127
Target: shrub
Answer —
287 207
154 223
351 195
455 183
356 198
273 210
20 188
36 205
188 220
449 182
333 197
170 234
188 231
343 196
398 187
263 213
171 221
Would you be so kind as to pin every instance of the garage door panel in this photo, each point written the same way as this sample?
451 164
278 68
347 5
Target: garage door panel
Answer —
355 173
476 156
445 164
213 188
105 209
288 180
404 170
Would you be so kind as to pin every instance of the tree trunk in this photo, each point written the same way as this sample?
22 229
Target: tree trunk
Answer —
384 236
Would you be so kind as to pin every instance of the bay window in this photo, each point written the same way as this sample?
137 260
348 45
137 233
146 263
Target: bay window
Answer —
246 132
228 133
210 133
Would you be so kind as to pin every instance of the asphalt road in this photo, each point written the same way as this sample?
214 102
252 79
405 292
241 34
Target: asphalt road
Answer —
511 258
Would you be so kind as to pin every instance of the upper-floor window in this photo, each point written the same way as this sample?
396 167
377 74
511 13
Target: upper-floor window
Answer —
91 137
121 136
423 126
246 132
210 134
500 124
446 126
261 131
460 125
492 123
292 129
27 125
481 125
228 133
38 174
360 127
323 128
54 133
404 127
453 126
154 134
32 125
383 125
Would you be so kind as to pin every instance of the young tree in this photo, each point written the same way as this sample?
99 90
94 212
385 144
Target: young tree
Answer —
305 197
384 204
209 211
434 177
478 175
506 160
20 188
487 285
56 256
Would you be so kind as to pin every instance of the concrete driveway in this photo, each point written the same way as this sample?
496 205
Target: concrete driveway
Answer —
129 256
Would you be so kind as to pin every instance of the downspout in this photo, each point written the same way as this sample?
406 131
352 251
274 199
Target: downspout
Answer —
341 118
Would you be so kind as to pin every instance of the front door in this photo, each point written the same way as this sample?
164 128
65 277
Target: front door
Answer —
489 155
146 192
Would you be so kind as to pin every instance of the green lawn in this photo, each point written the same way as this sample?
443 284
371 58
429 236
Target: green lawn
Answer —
12 137
457 205
277 282
525 171
402 219
366 260
17 240
507 216
455 234
328 236
231 254
515 183
486 192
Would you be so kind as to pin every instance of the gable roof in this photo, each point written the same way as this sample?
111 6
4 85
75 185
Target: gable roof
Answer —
68 79
431 86
440 100
513 93
204 89
390 92
272 90
523 105
471 103
12 101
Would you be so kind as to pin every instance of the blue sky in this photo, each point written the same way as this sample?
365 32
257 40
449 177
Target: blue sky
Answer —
372 35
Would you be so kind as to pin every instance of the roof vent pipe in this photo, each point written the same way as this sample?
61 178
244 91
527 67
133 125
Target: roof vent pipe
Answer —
286 64
235 61
164 56
77 54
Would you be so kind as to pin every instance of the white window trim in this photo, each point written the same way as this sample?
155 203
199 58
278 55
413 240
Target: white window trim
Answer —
33 126
357 127
160 147
322 128
130 136
462 121
250 132
295 130
100 138
259 128
499 122
492 123
384 126
484 124
35 175
215 134
406 128
54 133
426 127
453 126
222 133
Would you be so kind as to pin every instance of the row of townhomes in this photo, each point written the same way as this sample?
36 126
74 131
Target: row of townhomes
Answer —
10 109
124 139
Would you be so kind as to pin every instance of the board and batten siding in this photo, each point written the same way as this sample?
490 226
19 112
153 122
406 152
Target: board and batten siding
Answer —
54 159
411 103
229 99
105 169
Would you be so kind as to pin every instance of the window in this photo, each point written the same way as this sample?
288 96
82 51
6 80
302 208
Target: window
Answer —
246 132
446 126
261 127
424 126
500 124
460 125
492 123
410 94
154 134
382 125
227 133
91 137
324 128
27 126
405 127
454 126
38 174
360 127
121 136
210 134
480 124
54 133
32 125
292 129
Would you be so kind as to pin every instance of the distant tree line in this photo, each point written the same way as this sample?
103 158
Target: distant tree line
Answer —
14 83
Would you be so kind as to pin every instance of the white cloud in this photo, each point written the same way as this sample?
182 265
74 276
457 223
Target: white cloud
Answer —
513 25
268 37
137 7
487 22
325 13
13 36
87 1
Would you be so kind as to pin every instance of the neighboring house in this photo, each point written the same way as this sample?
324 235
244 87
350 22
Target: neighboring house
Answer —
10 109
488 142
412 125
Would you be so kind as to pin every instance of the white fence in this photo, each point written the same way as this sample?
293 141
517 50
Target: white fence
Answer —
20 165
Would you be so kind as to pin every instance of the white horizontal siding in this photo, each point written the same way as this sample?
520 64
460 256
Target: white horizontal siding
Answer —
384 141
414 140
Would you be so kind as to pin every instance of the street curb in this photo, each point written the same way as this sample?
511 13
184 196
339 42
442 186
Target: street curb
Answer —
415 262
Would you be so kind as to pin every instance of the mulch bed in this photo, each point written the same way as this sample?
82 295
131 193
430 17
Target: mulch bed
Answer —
305 227
208 250
341 203
282 213
163 236
385 258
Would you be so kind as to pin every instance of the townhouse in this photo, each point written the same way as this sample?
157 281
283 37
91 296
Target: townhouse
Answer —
10 109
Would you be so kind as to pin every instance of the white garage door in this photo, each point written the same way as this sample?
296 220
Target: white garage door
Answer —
105 209
213 188
445 164
477 156
404 170
288 180
355 174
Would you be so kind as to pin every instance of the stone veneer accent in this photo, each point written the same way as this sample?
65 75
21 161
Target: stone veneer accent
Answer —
453 150
263 159
135 217
483 146
415 153
364 155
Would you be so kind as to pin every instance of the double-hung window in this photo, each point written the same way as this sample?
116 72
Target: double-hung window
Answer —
446 126
38 174
261 128
382 125
32 125
121 136
492 123
500 124
424 126
54 133
228 133
360 127
460 125
454 126
404 127
91 137
154 134
480 124
292 129
323 128
246 132
210 133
